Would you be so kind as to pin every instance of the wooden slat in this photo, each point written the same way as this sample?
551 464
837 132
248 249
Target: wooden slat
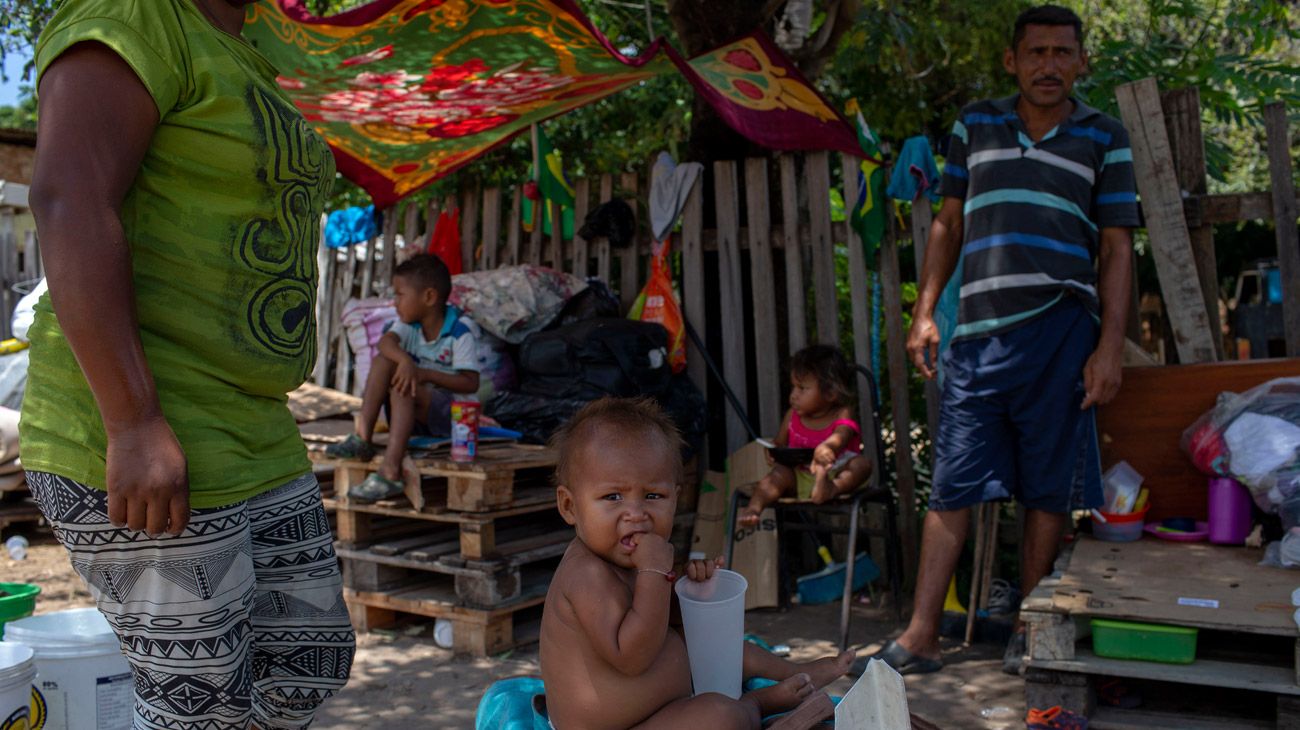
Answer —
469 207
344 355
491 227
796 292
1284 219
763 297
382 283
555 252
1204 672
602 244
629 280
1139 104
367 262
817 176
693 282
905 472
859 293
8 270
1207 210
535 236
727 205
325 324
581 250
1182 109
514 227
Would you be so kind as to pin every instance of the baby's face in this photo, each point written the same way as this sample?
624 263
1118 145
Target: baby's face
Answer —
623 485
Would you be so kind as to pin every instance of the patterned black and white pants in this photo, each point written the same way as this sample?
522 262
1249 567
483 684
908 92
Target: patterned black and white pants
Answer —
238 619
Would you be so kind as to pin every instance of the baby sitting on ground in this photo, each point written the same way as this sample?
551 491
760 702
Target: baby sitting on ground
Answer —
610 658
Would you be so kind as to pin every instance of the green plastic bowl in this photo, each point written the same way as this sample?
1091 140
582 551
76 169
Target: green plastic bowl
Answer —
1143 642
19 603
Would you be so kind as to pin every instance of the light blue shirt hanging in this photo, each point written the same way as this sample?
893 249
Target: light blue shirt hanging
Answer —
350 225
914 172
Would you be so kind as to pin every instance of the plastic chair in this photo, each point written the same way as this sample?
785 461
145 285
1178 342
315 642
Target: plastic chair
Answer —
876 490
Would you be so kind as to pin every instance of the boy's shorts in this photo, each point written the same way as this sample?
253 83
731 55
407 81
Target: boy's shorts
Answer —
1010 423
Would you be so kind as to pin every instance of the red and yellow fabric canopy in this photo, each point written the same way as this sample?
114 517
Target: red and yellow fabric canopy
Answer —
407 91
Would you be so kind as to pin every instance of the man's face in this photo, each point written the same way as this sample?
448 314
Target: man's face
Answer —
1045 63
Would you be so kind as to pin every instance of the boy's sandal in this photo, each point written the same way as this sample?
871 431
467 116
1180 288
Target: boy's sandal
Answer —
898 657
353 447
374 488
1054 718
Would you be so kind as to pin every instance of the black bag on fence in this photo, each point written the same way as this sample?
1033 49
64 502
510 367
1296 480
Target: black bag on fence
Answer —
594 358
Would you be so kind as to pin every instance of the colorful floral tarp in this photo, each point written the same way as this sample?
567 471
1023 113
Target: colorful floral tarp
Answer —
407 91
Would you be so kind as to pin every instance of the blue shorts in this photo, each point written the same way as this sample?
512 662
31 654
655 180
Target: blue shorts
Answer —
1009 420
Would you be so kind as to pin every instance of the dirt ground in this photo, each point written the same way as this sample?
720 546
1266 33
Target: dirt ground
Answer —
401 678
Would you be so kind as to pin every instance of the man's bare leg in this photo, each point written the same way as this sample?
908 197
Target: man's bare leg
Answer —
1042 542
943 536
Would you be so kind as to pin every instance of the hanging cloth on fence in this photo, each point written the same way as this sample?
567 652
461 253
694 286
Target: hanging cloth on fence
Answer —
445 241
351 225
659 303
870 209
670 185
914 172
551 187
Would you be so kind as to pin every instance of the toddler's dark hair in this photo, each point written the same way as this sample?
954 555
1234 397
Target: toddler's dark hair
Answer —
426 271
829 366
623 415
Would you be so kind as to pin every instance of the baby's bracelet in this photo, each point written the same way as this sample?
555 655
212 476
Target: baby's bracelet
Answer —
670 575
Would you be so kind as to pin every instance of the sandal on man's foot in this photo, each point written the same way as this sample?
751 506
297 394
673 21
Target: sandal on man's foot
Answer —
353 448
903 661
375 488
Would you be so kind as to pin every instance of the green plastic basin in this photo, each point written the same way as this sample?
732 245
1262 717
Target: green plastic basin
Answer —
19 602
1143 642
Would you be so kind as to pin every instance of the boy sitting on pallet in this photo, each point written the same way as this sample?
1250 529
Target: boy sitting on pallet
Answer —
427 359
609 656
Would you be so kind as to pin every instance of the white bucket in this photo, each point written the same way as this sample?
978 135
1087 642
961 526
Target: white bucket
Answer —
17 670
713 615
83 679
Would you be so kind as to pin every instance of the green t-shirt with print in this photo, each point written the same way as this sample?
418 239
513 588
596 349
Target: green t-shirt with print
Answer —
223 221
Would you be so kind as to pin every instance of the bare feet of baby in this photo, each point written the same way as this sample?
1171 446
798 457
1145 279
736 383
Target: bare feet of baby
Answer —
825 671
783 696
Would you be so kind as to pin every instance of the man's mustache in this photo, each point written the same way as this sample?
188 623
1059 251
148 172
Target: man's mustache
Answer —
1056 79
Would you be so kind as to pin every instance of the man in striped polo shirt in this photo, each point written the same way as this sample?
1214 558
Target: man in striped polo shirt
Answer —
1038 208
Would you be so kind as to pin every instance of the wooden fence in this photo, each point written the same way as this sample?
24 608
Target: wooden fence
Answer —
20 259
745 285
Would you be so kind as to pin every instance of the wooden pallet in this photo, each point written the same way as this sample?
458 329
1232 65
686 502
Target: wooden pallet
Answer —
525 554
488 483
476 631
16 511
1247 648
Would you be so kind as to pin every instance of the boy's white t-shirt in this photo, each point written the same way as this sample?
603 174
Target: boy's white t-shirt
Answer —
455 348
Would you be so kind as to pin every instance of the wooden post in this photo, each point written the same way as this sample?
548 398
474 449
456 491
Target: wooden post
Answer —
1284 219
491 227
381 283
1139 104
629 283
556 253
410 236
344 355
514 229
1182 109
817 178
905 474
727 206
535 237
693 282
602 244
581 250
368 263
469 228
763 297
325 257
860 295
795 290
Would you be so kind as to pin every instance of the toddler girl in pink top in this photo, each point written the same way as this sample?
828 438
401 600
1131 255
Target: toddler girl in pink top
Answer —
820 418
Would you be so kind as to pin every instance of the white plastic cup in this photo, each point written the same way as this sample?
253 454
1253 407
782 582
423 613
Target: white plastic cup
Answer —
17 547
713 614
17 670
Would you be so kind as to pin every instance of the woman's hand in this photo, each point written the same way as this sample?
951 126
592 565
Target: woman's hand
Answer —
148 479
